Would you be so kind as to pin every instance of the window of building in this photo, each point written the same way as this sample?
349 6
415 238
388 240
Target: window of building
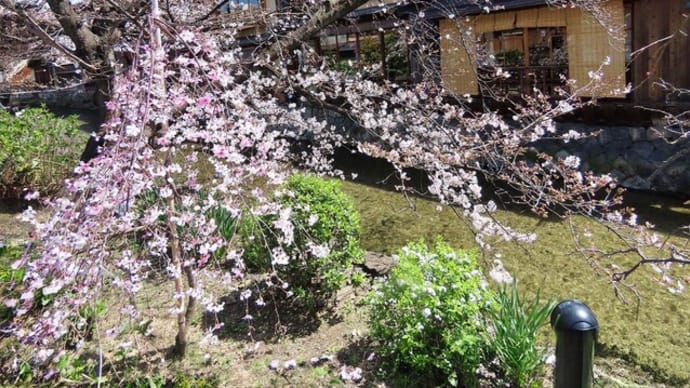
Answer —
233 5
534 57
386 50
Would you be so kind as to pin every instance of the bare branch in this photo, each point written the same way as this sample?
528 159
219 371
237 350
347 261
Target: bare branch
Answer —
676 258
44 36
124 12
317 22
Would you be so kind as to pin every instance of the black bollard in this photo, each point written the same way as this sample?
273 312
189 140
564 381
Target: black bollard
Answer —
576 334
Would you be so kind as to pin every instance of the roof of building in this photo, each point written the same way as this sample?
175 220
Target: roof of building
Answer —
470 7
442 8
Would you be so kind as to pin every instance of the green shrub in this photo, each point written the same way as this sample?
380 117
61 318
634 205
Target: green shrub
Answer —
9 277
37 151
428 314
324 219
516 325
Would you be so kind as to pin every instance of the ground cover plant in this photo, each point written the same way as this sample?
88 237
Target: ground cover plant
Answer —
37 151
9 277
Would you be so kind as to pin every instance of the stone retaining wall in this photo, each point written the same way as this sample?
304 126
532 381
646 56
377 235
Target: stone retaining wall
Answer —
74 97
644 158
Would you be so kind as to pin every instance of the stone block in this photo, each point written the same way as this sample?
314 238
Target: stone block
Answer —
618 175
637 134
636 182
605 137
653 134
622 165
643 150
677 169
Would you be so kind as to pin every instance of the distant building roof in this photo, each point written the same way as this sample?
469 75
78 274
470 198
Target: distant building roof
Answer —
442 8
471 7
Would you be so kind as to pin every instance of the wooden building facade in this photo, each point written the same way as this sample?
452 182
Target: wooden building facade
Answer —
538 47
640 46
659 39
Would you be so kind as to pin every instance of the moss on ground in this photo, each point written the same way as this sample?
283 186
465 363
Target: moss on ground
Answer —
652 334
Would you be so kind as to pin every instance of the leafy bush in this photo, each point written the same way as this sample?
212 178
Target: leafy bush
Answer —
515 335
37 151
324 225
428 314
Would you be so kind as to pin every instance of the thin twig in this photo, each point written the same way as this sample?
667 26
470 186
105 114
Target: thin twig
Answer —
45 37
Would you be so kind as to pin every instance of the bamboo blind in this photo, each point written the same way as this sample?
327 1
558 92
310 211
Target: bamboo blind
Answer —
527 18
550 17
589 43
457 70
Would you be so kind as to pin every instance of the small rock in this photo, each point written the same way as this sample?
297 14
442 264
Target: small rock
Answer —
636 183
376 264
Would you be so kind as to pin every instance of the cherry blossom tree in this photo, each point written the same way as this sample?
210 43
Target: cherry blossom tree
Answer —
197 124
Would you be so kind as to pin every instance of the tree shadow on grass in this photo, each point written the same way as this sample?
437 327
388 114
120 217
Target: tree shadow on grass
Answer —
658 374
243 319
144 370
362 353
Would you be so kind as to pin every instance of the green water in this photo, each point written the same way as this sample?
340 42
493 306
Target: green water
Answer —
654 333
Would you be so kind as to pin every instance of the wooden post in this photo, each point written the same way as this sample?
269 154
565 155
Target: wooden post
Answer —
525 71
382 46
358 54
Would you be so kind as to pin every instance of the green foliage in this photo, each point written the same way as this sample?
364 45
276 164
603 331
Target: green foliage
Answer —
181 380
9 277
322 215
37 151
427 316
185 381
153 381
511 58
358 278
84 323
226 224
346 66
74 370
397 63
516 325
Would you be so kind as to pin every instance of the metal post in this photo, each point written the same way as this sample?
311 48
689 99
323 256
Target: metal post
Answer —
576 333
